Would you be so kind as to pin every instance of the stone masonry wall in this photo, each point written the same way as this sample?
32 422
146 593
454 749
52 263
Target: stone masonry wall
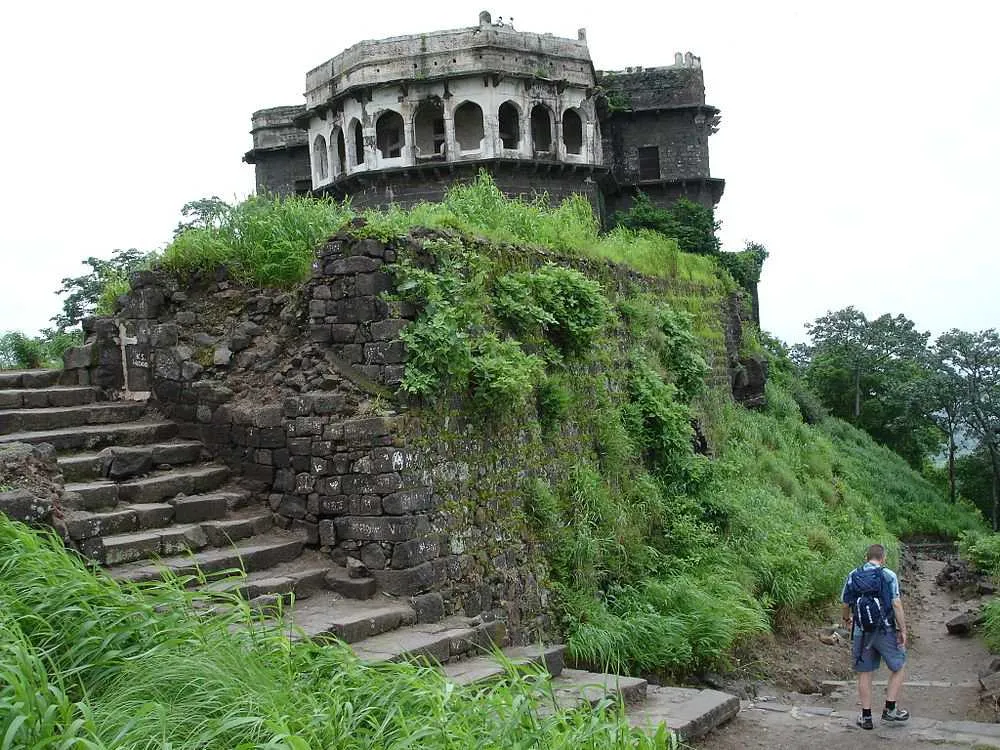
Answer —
296 390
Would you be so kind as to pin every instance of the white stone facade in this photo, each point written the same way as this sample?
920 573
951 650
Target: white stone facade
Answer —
473 118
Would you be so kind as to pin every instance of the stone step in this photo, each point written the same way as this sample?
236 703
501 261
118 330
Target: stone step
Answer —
159 486
576 686
253 554
96 436
117 549
40 398
80 467
483 668
438 642
156 519
302 583
64 417
29 378
689 713
349 620
136 517
236 526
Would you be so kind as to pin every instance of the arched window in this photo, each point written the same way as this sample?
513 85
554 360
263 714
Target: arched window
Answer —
541 129
321 165
338 152
572 132
428 129
389 134
469 130
509 120
357 143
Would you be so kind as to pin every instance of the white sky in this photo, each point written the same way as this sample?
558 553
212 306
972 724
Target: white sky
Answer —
859 140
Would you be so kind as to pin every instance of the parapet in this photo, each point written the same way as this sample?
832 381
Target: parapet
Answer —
485 48
275 128
637 89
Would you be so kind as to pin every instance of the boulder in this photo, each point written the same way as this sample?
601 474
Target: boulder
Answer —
749 380
959 625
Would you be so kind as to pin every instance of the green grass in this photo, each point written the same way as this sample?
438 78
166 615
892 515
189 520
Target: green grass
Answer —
660 560
272 241
87 664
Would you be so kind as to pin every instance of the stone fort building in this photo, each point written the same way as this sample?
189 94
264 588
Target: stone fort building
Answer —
398 120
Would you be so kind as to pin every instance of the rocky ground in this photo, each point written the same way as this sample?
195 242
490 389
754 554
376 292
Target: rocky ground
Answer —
797 701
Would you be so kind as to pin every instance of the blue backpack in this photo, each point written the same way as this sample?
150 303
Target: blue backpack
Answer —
866 594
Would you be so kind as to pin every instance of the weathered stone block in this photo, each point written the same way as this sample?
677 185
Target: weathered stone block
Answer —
311 530
300 446
412 553
21 505
292 506
382 528
407 501
385 353
388 330
408 582
80 357
343 333
329 486
370 284
352 264
429 607
362 431
327 533
373 556
364 505
306 427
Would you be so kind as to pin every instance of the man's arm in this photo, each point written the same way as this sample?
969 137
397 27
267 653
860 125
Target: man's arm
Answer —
897 608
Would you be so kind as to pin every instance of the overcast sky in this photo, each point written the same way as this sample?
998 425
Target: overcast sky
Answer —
859 140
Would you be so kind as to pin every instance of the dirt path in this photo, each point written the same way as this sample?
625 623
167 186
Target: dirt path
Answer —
941 689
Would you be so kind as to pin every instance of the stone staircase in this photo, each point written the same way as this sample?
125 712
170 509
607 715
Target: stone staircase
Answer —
142 502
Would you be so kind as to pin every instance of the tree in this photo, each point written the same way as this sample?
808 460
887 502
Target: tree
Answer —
975 359
870 372
84 292
691 224
945 397
203 213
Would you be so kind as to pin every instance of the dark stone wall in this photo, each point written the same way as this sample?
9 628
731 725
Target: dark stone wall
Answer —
298 392
653 88
681 139
283 172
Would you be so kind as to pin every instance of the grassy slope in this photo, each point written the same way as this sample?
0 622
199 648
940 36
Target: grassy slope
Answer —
660 559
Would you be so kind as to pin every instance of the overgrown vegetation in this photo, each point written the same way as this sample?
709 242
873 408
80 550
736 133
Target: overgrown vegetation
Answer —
661 558
21 352
271 241
86 664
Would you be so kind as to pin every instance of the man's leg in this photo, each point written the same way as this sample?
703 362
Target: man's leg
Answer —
894 686
865 689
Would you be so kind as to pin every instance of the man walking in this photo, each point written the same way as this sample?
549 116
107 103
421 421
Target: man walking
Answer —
874 613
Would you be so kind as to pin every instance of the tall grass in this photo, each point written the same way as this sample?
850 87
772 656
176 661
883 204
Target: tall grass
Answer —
85 663
272 241
267 241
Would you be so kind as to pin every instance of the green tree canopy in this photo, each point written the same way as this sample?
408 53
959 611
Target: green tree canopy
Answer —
872 373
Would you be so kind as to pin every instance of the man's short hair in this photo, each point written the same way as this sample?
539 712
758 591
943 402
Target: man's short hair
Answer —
875 552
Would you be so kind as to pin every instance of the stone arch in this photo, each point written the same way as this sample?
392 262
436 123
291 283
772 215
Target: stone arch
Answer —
572 131
338 152
389 135
428 129
321 164
541 129
469 127
509 125
357 136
